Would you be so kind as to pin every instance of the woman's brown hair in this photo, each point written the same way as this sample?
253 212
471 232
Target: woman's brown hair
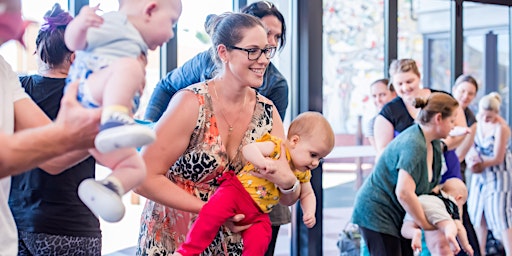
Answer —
402 66
437 102
466 78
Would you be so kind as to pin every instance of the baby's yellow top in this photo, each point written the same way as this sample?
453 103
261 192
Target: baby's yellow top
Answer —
265 193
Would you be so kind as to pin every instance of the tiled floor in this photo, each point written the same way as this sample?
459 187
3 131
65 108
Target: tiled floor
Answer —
120 238
334 221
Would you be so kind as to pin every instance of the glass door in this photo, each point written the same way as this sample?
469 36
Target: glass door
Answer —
487 50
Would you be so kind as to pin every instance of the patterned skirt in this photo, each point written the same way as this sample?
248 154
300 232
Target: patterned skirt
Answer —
490 196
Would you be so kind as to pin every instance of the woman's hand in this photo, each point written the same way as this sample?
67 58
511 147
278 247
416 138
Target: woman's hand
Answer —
280 173
406 196
79 123
476 167
427 226
284 178
231 224
268 166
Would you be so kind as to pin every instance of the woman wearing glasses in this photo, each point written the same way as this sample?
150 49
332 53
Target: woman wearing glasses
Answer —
202 67
200 137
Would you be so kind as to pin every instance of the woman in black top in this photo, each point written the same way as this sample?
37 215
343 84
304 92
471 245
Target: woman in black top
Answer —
50 217
465 90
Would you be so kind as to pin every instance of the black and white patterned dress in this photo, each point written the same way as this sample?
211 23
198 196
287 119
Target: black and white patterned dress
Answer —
490 192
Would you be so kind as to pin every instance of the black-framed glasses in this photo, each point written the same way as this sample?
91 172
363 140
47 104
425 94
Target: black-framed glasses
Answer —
255 53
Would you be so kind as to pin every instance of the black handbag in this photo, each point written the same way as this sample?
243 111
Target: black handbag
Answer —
494 247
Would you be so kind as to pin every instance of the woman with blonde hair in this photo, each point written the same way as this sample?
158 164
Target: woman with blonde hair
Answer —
490 193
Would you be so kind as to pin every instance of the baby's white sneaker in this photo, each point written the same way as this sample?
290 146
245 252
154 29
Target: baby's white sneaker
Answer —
102 198
121 131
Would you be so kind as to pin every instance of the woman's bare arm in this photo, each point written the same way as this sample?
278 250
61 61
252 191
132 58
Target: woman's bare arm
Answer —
172 140
500 147
284 177
405 193
466 144
36 140
383 134
454 141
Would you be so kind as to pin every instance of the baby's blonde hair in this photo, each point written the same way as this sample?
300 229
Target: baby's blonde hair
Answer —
311 123
455 187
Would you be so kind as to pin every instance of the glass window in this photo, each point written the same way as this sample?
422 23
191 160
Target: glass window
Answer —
438 75
485 47
192 37
353 56
423 26
486 50
105 5
473 59
503 79
410 41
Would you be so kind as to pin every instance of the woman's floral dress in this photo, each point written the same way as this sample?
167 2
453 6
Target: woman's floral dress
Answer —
163 228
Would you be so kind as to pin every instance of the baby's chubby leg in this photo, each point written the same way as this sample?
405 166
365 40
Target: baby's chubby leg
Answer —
122 79
127 166
104 197
117 88
117 83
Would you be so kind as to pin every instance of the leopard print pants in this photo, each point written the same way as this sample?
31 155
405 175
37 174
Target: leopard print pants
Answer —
45 244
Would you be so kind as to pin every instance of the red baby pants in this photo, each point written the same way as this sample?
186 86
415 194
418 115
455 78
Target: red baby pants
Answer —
229 199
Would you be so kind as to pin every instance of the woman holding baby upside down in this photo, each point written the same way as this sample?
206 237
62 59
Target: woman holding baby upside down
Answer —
409 166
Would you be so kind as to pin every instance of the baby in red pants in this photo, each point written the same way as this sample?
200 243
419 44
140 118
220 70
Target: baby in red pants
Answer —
310 138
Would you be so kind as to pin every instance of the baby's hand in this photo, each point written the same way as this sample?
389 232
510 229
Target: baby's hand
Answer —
309 219
452 240
416 241
88 17
469 250
476 159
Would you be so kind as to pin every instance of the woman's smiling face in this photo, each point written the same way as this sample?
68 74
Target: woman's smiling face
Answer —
464 92
407 84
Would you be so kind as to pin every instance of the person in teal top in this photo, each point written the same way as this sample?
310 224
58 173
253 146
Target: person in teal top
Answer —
409 166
